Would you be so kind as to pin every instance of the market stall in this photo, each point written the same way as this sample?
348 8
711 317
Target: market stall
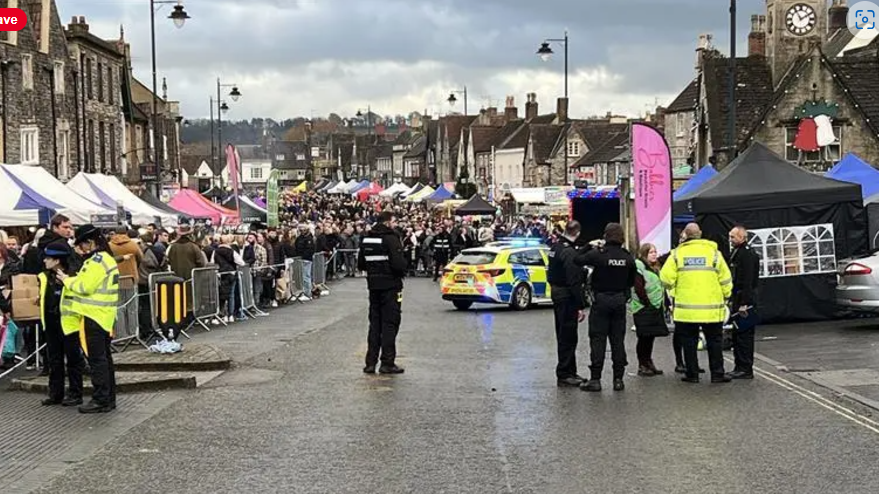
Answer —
249 211
192 203
594 208
372 190
109 192
800 224
414 190
705 174
476 206
33 189
853 169
421 194
439 195
158 204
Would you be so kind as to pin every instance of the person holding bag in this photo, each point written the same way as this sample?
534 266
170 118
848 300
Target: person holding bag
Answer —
59 346
648 309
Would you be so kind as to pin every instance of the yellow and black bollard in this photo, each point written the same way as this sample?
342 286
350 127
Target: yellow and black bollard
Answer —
171 303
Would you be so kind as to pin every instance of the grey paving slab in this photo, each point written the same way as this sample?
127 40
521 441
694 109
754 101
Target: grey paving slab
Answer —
196 356
476 412
40 443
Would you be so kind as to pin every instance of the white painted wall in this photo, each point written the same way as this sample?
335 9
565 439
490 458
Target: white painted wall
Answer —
508 167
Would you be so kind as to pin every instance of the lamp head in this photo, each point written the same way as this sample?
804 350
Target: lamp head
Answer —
545 52
452 99
179 16
235 93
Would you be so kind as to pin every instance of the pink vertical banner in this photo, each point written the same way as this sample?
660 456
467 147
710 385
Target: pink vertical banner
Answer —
233 163
653 186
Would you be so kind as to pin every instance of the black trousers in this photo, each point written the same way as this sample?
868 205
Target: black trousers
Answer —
677 345
385 313
60 348
743 349
607 322
441 258
144 314
566 328
101 362
644 349
713 342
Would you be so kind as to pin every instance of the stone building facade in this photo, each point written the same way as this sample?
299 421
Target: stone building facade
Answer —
792 74
37 121
100 65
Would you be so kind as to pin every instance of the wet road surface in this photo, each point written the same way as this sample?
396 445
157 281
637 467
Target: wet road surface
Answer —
477 411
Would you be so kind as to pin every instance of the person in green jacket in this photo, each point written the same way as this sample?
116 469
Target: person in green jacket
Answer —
648 308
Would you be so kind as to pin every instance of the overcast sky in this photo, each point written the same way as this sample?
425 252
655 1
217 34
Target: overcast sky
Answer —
304 57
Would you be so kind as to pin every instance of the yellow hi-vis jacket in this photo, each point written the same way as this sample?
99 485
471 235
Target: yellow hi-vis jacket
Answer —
700 282
92 293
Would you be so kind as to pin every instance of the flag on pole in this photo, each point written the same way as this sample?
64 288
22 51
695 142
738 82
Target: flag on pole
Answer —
232 164
653 187
272 199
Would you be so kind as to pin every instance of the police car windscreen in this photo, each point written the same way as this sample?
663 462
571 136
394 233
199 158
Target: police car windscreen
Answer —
473 258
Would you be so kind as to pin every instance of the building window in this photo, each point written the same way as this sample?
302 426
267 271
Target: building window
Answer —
820 160
279 157
35 19
165 148
89 75
574 148
63 154
100 82
111 87
91 146
102 140
679 124
30 145
113 148
256 173
27 71
300 157
59 77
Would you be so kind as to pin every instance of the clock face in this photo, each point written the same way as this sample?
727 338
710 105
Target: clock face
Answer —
801 19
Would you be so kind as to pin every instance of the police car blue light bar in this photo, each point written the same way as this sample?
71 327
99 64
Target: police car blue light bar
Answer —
520 241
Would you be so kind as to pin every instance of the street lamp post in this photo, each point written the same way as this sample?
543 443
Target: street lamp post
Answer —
222 108
179 16
368 137
462 174
545 52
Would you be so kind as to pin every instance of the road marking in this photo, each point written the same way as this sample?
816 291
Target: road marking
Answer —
816 398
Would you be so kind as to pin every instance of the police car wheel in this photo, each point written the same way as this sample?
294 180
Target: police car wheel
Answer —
521 299
462 304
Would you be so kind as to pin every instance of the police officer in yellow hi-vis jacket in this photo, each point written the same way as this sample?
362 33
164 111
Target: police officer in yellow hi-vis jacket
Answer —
700 283
88 306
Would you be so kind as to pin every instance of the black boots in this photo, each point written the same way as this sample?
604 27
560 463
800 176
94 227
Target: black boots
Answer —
390 369
94 407
618 385
572 382
592 385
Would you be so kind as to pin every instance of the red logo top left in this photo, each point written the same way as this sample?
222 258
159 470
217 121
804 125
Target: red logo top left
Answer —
12 19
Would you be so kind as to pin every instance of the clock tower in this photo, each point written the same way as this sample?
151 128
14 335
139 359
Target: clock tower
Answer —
793 28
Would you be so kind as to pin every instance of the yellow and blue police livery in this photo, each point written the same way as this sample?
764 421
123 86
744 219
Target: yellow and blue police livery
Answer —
511 272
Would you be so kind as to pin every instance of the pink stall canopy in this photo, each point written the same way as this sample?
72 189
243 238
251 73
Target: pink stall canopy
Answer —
194 204
372 190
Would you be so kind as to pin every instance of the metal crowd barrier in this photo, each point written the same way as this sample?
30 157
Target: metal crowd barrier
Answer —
319 271
20 361
295 279
154 302
245 289
206 296
127 328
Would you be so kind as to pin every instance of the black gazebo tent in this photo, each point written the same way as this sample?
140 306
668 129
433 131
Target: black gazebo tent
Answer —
249 214
476 206
759 189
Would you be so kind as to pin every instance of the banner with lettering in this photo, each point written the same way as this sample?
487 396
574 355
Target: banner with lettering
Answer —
652 173
272 199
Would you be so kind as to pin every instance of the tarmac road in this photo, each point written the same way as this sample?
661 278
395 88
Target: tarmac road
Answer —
477 411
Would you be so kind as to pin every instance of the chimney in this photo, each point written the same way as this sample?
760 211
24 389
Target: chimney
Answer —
838 15
757 37
531 106
561 110
510 111
703 46
78 25
492 111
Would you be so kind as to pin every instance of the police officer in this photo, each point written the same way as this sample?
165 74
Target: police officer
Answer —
745 267
612 281
442 246
88 306
565 276
700 279
381 256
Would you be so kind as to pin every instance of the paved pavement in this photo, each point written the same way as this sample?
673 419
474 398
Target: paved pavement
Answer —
840 355
476 412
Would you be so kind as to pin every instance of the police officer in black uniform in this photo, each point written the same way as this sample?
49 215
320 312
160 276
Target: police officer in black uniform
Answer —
566 278
381 256
442 246
612 281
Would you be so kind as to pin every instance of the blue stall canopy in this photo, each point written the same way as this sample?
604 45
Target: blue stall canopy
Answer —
853 169
704 174
440 194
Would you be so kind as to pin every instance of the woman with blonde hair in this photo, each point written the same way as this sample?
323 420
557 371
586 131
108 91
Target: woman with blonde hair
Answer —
648 308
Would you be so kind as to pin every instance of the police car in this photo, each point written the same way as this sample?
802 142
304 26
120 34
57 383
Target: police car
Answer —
506 272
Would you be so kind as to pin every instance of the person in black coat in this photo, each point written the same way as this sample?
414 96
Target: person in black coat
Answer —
381 256
745 268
